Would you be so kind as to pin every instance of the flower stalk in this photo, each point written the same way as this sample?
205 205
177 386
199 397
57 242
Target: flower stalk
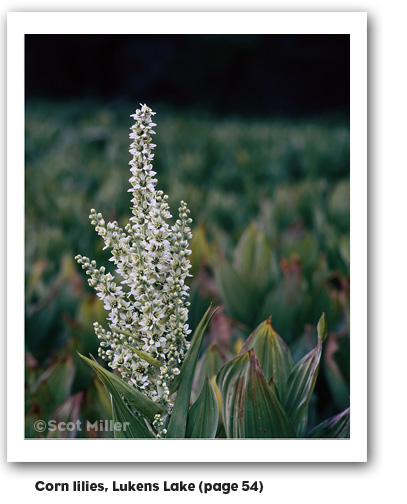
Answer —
147 297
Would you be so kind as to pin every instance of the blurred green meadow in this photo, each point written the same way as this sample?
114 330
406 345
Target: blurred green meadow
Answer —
270 203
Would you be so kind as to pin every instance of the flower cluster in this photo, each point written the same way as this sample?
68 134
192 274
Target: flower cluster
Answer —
148 312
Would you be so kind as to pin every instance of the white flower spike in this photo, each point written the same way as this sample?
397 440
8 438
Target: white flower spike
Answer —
147 298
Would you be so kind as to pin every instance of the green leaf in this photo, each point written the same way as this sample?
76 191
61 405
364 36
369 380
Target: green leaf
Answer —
254 261
337 368
178 420
195 341
59 378
301 383
250 408
337 426
235 295
125 333
287 299
146 357
273 354
135 398
126 424
210 362
344 249
202 252
203 416
69 411
98 403
322 328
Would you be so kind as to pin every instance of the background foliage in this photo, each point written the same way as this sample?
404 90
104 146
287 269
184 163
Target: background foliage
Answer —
270 202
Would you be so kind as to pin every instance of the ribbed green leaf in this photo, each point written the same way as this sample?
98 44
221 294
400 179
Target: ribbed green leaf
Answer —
210 362
250 408
337 426
273 354
301 382
253 260
98 399
238 301
135 398
202 251
126 424
68 411
203 416
287 298
179 415
59 379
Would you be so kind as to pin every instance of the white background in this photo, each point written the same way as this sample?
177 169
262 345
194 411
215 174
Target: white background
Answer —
55 450
382 477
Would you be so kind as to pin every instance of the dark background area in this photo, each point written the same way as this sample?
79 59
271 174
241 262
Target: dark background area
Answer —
288 75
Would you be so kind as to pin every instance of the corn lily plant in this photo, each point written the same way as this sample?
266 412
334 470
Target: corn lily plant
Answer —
258 394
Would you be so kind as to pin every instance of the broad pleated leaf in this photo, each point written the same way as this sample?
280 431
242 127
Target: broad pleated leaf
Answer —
202 251
337 426
99 398
183 382
135 398
126 424
273 354
209 363
301 382
203 416
69 411
238 302
254 261
59 379
250 407
219 400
